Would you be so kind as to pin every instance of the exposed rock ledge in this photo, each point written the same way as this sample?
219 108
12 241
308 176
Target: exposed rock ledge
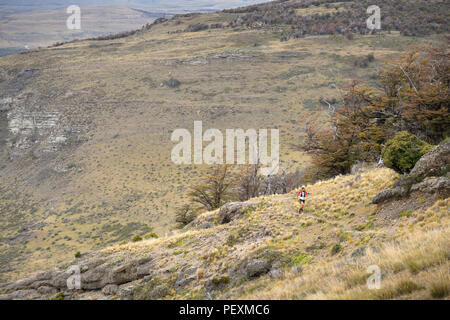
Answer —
95 274
120 275
430 175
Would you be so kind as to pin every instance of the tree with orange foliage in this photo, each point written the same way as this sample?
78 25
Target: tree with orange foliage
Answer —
414 96
416 92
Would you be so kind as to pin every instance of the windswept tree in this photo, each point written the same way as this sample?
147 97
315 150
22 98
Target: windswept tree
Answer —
248 182
185 215
214 190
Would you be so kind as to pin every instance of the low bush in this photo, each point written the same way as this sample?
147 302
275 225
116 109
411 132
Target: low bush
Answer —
403 151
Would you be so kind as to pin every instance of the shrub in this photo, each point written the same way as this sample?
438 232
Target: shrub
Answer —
136 238
151 235
200 273
407 287
301 259
406 213
185 215
173 83
197 27
403 151
336 248
58 296
221 280
78 254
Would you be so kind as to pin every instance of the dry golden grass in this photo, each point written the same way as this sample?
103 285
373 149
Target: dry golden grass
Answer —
412 267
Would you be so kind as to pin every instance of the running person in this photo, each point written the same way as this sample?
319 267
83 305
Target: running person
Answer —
301 196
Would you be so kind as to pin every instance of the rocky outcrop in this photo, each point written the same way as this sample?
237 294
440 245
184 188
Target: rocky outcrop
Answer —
257 267
434 163
44 129
440 186
430 175
389 194
233 210
93 275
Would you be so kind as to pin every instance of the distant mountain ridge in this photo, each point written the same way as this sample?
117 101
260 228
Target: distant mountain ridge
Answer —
29 24
152 5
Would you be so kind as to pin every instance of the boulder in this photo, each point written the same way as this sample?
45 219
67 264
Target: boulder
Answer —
95 278
434 162
124 273
439 186
257 267
174 83
110 290
21 295
276 273
126 294
47 290
429 175
33 281
145 269
186 276
389 194
359 252
233 210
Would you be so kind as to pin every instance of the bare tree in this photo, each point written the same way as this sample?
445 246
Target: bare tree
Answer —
248 182
214 190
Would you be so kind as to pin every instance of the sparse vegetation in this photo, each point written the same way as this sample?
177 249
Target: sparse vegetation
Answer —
214 190
151 235
336 249
406 213
221 280
185 215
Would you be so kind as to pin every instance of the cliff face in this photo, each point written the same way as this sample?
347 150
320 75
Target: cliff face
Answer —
41 131
265 244
25 126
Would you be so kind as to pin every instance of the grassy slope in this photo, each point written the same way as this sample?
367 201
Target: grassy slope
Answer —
123 182
411 249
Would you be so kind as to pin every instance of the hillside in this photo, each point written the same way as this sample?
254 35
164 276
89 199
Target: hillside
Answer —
85 127
268 251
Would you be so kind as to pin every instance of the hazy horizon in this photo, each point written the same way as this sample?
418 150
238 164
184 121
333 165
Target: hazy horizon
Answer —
30 24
